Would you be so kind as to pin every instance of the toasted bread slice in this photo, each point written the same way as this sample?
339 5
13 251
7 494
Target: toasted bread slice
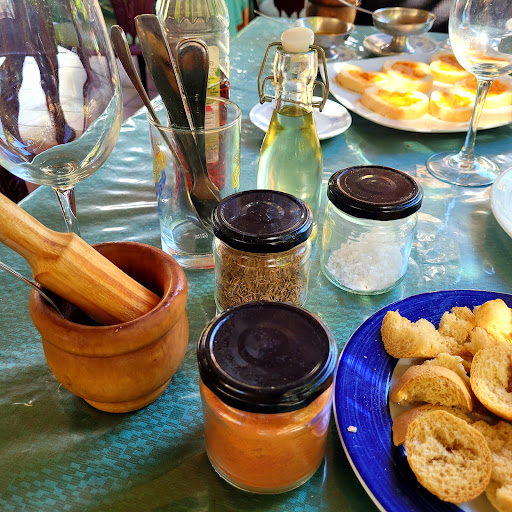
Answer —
499 95
457 323
491 378
403 338
449 457
453 363
500 496
445 68
395 104
434 385
499 440
455 105
357 79
496 318
408 75
478 339
402 421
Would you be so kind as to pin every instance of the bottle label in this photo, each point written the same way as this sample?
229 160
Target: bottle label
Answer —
212 119
214 71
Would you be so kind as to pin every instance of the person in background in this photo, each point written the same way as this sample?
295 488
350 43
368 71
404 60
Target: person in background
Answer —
441 8
240 12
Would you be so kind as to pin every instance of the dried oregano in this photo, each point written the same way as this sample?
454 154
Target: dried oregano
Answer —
244 277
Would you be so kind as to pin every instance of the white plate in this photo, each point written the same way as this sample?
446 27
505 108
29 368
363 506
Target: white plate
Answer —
501 200
333 120
491 118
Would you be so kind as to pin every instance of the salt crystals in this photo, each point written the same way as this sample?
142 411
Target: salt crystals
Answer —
368 263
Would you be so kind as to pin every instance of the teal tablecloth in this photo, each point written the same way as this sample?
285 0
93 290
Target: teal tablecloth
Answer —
59 454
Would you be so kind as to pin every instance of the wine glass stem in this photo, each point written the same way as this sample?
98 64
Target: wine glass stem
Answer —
66 198
467 153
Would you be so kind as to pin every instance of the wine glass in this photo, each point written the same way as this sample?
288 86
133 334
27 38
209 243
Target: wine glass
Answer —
60 95
481 38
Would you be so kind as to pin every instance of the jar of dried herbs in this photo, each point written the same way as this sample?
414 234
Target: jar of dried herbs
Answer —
261 248
266 383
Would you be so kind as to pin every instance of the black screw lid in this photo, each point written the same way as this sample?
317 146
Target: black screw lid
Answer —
374 192
262 221
267 357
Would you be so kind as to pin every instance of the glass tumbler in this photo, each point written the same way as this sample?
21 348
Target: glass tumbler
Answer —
184 228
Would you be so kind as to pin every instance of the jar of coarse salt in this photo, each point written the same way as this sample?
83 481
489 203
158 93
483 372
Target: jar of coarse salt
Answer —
369 226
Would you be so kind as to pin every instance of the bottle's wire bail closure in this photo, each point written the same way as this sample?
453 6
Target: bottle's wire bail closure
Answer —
325 86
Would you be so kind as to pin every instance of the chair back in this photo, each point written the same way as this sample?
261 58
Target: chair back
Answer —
284 8
126 10
290 7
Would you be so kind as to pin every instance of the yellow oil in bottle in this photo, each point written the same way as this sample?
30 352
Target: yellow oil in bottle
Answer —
291 157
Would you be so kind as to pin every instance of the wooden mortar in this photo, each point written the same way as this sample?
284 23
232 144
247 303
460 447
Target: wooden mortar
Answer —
122 367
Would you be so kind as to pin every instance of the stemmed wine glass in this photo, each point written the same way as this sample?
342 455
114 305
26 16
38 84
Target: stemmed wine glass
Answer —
481 38
60 95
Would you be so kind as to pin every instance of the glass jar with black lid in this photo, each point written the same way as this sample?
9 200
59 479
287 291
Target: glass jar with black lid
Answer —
262 248
369 225
266 379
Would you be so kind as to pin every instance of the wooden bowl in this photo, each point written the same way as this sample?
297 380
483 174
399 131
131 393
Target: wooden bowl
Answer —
123 367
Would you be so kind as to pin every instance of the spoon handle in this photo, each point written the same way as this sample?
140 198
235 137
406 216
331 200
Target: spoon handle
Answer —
356 7
193 64
36 287
120 44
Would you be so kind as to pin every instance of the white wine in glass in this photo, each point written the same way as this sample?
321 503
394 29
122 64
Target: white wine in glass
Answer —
60 95
481 38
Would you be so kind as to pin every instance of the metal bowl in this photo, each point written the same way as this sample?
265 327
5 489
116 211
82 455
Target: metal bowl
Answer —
400 23
329 32
403 21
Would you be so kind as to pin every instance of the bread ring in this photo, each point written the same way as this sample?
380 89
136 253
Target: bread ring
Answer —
500 93
445 68
408 75
395 104
455 105
449 457
356 79
491 378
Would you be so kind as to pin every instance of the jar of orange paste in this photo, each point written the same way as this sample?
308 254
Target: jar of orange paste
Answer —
266 373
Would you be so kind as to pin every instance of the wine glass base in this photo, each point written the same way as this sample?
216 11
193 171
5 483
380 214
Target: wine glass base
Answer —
448 167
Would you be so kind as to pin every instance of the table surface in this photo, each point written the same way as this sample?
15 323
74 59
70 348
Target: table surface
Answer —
58 453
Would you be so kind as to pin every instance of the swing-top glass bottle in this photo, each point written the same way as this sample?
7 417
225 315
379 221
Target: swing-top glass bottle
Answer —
290 156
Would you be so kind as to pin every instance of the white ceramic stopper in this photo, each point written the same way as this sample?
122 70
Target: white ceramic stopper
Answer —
297 39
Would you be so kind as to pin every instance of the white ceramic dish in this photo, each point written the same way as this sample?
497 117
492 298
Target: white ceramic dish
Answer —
491 118
333 120
501 200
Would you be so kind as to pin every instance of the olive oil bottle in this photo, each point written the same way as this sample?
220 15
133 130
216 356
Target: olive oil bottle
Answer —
290 156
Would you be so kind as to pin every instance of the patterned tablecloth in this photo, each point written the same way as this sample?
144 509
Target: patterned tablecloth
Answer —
59 454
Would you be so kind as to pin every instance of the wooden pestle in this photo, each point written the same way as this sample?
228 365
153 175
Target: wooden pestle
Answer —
68 266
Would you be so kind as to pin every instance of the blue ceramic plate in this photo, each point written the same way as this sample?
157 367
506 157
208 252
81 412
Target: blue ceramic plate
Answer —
361 400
